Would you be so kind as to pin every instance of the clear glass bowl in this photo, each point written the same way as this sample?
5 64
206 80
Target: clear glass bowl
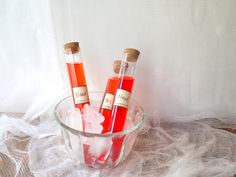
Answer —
98 150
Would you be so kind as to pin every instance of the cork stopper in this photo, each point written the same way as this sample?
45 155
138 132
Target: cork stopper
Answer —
131 54
71 47
117 66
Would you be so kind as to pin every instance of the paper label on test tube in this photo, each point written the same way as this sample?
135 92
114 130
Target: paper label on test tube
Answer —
80 94
108 101
122 98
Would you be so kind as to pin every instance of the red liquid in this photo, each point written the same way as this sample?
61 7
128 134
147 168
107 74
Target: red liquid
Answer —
119 116
77 79
115 122
110 88
115 118
119 113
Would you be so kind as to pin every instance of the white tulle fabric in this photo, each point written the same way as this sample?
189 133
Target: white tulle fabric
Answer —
190 149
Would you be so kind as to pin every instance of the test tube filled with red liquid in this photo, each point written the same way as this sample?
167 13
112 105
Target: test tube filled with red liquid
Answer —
124 89
78 84
115 101
122 98
76 74
107 103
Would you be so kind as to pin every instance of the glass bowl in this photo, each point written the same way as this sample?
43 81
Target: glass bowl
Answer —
93 149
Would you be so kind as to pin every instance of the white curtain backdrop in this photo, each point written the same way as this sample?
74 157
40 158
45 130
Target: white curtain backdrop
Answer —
187 66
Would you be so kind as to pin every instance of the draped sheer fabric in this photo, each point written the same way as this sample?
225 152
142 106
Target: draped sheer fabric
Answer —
181 149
